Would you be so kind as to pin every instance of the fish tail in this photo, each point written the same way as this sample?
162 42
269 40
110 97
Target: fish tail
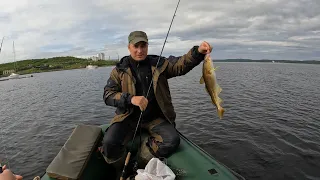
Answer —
221 112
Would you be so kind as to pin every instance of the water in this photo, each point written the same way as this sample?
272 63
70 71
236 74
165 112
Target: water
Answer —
270 129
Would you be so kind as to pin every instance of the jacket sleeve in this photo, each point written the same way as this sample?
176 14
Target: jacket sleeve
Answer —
112 95
185 63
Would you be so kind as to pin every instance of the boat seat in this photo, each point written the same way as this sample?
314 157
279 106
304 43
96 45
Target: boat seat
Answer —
75 153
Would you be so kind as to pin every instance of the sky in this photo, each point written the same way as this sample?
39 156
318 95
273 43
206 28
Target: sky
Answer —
255 29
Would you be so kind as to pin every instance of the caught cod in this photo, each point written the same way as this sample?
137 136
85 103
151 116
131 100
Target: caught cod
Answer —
211 84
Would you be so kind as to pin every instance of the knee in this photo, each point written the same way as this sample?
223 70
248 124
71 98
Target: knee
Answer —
174 141
169 145
108 140
111 146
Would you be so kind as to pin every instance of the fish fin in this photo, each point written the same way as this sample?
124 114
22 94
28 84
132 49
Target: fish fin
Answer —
219 100
219 89
201 80
214 69
216 100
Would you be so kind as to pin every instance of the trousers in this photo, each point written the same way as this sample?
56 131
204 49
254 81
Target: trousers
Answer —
165 137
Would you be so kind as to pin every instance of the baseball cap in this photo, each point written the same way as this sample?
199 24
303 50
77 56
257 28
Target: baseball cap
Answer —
137 36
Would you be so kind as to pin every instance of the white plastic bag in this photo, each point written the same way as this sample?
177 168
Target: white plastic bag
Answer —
155 170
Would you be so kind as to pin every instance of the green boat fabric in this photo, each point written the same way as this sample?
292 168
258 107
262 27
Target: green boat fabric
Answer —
75 153
189 162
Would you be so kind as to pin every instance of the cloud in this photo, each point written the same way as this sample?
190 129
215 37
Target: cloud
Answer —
260 29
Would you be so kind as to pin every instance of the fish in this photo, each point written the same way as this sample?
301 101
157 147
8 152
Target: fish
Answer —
211 84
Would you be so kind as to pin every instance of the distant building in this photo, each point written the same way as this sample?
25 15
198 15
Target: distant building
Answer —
94 58
8 71
101 56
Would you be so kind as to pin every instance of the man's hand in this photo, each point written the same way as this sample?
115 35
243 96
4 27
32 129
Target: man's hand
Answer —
205 48
140 101
8 175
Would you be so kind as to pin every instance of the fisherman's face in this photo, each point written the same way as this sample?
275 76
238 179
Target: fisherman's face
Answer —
138 51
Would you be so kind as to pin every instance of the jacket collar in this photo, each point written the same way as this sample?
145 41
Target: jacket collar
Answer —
124 62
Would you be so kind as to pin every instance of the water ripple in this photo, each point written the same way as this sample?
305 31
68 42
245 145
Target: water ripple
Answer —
270 129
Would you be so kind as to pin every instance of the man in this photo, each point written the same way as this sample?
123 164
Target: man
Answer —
127 88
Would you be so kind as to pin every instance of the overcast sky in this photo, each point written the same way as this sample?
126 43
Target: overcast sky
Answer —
256 29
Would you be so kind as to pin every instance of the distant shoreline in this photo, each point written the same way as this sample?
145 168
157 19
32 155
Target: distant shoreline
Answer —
68 62
270 61
174 59
50 64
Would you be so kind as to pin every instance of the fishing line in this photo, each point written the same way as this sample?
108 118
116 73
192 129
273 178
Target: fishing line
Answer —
135 132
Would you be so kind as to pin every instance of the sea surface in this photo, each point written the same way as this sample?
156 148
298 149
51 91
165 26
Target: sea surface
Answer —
270 130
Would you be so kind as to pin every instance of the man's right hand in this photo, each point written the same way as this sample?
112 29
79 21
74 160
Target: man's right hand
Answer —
140 101
8 175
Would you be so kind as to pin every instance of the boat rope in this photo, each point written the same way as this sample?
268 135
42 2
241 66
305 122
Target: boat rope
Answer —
138 123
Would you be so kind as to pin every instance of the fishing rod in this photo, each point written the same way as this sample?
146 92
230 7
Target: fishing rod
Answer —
135 132
4 149
1 44
1 131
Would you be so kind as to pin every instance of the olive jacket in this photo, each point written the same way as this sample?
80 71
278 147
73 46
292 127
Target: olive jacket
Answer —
120 87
